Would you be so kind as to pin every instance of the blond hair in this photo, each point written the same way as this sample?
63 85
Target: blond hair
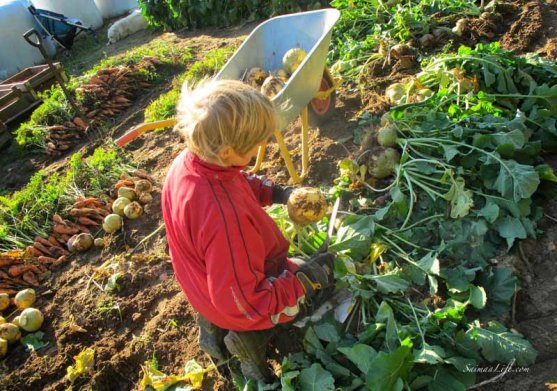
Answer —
219 113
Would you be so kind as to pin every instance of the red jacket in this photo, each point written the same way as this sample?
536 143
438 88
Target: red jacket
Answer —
229 256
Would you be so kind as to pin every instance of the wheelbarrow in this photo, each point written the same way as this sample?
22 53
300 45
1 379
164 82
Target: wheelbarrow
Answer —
310 90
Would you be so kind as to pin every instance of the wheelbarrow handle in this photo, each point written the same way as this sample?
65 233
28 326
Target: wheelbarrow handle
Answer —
36 43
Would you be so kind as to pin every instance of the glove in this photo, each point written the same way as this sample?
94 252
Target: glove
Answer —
326 260
281 194
316 274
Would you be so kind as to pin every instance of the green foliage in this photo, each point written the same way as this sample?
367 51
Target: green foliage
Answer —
164 107
178 14
364 25
27 212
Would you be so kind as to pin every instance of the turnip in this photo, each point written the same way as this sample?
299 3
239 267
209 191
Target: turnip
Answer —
10 332
80 242
3 347
460 26
395 93
31 319
145 198
24 298
281 74
272 86
99 242
2 320
306 205
112 223
15 321
255 77
133 210
143 186
119 205
383 164
387 136
4 301
127 192
292 59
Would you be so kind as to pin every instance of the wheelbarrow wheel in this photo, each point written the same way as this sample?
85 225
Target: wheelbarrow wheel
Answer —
321 109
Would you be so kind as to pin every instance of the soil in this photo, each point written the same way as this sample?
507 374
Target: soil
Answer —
148 318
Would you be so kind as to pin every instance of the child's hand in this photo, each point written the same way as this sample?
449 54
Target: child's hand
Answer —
281 194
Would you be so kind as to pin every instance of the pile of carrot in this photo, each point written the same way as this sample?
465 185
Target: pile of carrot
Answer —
19 270
111 90
60 138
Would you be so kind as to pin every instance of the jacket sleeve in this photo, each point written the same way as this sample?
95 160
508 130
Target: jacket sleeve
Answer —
238 287
262 187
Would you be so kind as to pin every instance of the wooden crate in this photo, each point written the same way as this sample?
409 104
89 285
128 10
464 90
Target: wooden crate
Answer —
14 103
33 79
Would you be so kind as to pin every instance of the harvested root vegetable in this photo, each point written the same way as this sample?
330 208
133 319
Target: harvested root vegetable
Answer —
143 186
387 136
2 320
272 86
306 205
119 205
281 74
4 301
81 242
292 59
460 26
255 77
25 298
99 242
133 210
15 321
145 198
395 93
31 319
112 223
10 332
383 164
3 347
127 192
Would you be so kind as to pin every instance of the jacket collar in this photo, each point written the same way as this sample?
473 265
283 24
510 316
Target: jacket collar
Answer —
209 170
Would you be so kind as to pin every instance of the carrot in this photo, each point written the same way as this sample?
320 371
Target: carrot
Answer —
65 237
86 221
124 183
60 260
10 262
58 219
31 251
58 251
63 229
41 247
18 270
84 202
76 212
143 175
43 241
46 260
53 241
11 255
83 228
30 278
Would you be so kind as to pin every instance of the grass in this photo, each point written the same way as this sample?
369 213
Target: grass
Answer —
55 108
28 212
164 107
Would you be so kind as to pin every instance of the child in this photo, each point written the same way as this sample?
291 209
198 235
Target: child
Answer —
228 255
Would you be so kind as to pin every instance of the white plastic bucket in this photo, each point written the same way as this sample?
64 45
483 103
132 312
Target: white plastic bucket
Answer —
113 8
15 53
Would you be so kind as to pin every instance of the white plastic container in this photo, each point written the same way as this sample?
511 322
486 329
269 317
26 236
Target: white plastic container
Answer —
113 8
84 10
15 53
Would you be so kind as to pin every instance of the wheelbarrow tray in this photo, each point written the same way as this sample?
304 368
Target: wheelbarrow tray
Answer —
267 44
33 79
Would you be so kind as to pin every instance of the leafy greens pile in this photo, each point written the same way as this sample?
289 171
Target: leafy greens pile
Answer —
429 304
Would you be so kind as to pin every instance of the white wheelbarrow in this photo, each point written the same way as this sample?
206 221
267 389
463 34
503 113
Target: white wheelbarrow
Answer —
310 86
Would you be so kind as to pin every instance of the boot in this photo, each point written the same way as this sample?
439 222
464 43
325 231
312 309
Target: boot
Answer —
211 338
251 349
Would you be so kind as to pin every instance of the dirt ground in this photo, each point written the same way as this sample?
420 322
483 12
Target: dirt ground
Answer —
150 318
